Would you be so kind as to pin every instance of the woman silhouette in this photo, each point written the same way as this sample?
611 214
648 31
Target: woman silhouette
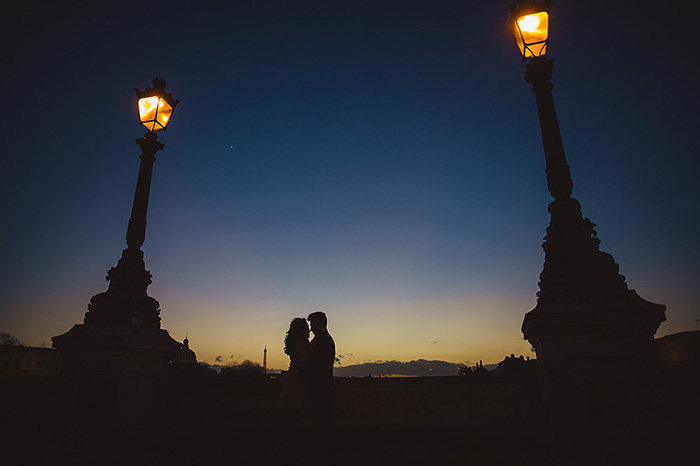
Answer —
294 396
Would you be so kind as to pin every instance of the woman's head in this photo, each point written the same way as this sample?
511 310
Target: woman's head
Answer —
298 330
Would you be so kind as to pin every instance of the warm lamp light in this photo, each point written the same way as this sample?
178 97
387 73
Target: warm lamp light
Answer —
530 28
154 113
155 106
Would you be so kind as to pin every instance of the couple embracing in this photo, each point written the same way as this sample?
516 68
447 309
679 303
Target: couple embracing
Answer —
309 381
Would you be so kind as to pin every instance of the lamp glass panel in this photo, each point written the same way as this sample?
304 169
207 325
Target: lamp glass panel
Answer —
154 113
163 113
533 29
537 50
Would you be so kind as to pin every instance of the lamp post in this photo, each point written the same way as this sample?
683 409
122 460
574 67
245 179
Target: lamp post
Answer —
593 336
120 339
126 301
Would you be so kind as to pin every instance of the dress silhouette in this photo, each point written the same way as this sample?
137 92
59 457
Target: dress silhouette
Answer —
294 397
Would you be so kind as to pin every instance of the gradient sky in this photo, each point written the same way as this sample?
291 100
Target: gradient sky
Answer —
379 160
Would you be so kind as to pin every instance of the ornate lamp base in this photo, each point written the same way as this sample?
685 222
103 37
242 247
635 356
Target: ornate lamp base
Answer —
113 374
597 364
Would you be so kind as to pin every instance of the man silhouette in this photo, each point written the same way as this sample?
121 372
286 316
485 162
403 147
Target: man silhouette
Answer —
319 373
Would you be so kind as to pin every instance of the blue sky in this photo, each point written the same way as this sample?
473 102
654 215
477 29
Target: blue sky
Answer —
380 160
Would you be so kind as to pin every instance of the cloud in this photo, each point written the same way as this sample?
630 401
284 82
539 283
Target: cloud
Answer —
340 356
418 368
218 358
433 342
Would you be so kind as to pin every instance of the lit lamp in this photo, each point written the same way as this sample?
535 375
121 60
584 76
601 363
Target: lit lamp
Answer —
530 31
155 106
587 325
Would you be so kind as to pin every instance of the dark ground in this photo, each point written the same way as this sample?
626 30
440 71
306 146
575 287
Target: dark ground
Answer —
210 420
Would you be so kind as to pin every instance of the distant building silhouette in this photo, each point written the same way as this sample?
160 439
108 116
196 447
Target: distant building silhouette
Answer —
478 369
185 354
679 350
519 365
27 360
465 371
265 361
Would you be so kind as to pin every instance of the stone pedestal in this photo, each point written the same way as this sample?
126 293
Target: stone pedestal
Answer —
598 372
114 372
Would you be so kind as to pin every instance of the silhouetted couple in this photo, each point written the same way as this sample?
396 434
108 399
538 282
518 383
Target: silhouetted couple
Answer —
308 385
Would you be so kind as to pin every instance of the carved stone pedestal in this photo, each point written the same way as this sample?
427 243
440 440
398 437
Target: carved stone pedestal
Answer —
598 372
114 373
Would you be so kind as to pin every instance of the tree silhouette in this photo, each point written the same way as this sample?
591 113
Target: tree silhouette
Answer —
7 339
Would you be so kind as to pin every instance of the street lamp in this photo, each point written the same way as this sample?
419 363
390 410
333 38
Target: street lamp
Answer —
124 322
575 270
126 300
587 325
530 29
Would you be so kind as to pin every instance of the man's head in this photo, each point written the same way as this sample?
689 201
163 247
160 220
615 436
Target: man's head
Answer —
318 321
